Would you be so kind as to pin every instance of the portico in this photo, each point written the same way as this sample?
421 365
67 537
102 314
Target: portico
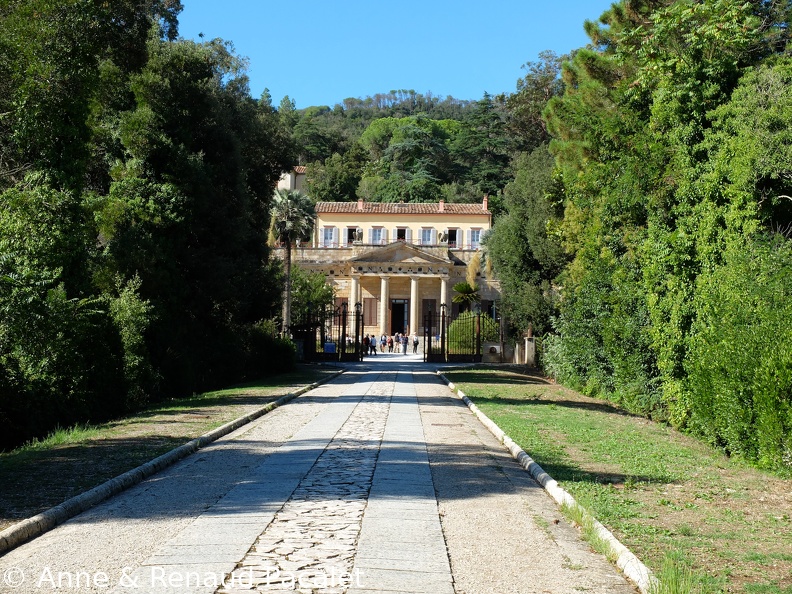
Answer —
395 285
403 280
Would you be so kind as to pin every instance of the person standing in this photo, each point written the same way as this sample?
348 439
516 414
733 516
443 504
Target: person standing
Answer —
415 343
405 340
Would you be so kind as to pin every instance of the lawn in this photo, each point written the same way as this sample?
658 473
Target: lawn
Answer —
665 495
70 461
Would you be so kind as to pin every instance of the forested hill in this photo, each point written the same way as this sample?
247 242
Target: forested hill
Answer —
415 147
321 131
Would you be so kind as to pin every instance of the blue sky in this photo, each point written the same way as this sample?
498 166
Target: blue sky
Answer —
320 52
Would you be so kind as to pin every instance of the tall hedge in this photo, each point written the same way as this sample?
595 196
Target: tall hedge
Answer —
135 176
672 139
739 364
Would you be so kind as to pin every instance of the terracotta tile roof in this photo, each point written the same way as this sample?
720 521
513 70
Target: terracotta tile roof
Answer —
299 169
398 208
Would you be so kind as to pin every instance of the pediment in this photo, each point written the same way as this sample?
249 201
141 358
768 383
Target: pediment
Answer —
399 252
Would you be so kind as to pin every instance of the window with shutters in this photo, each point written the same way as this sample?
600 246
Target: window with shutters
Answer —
475 239
377 235
370 311
329 237
427 236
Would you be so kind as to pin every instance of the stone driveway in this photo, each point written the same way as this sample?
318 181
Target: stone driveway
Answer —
380 481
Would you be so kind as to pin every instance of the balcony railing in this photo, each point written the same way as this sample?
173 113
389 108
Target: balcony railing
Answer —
452 245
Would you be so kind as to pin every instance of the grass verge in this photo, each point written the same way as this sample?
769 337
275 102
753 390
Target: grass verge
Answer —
687 511
44 473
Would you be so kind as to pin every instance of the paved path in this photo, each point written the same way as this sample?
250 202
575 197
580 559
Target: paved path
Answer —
380 481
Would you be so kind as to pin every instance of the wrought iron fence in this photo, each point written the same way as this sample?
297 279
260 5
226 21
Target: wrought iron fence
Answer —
330 334
454 339
434 336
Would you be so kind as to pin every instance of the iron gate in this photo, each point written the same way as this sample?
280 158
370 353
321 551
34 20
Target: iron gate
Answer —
452 340
434 343
330 334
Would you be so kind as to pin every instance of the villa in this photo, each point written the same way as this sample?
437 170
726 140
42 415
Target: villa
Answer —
398 260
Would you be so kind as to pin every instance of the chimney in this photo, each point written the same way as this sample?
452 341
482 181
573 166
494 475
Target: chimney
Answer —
484 204
441 206
360 203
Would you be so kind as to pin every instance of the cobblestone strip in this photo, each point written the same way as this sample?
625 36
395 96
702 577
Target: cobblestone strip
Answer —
198 557
310 545
401 546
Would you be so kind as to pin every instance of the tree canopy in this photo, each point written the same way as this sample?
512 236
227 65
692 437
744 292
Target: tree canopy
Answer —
670 140
135 177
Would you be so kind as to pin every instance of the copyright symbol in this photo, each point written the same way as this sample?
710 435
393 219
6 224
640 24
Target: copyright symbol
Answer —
13 577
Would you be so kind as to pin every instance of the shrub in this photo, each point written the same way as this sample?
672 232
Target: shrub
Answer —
740 360
556 362
602 346
132 316
60 353
269 353
461 332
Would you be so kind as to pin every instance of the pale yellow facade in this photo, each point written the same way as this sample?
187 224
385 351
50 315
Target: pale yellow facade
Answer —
293 180
405 269
456 226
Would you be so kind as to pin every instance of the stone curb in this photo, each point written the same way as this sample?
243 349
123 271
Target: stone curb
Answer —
26 530
631 566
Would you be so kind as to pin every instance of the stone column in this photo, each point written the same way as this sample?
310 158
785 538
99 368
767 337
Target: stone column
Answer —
415 324
443 292
384 303
354 294
354 291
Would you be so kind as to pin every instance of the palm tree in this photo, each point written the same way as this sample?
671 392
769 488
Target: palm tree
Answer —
466 294
292 216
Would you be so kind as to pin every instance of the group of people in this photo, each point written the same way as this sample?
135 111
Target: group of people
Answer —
398 341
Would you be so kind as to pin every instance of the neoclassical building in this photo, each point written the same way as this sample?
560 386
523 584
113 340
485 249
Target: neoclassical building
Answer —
398 260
